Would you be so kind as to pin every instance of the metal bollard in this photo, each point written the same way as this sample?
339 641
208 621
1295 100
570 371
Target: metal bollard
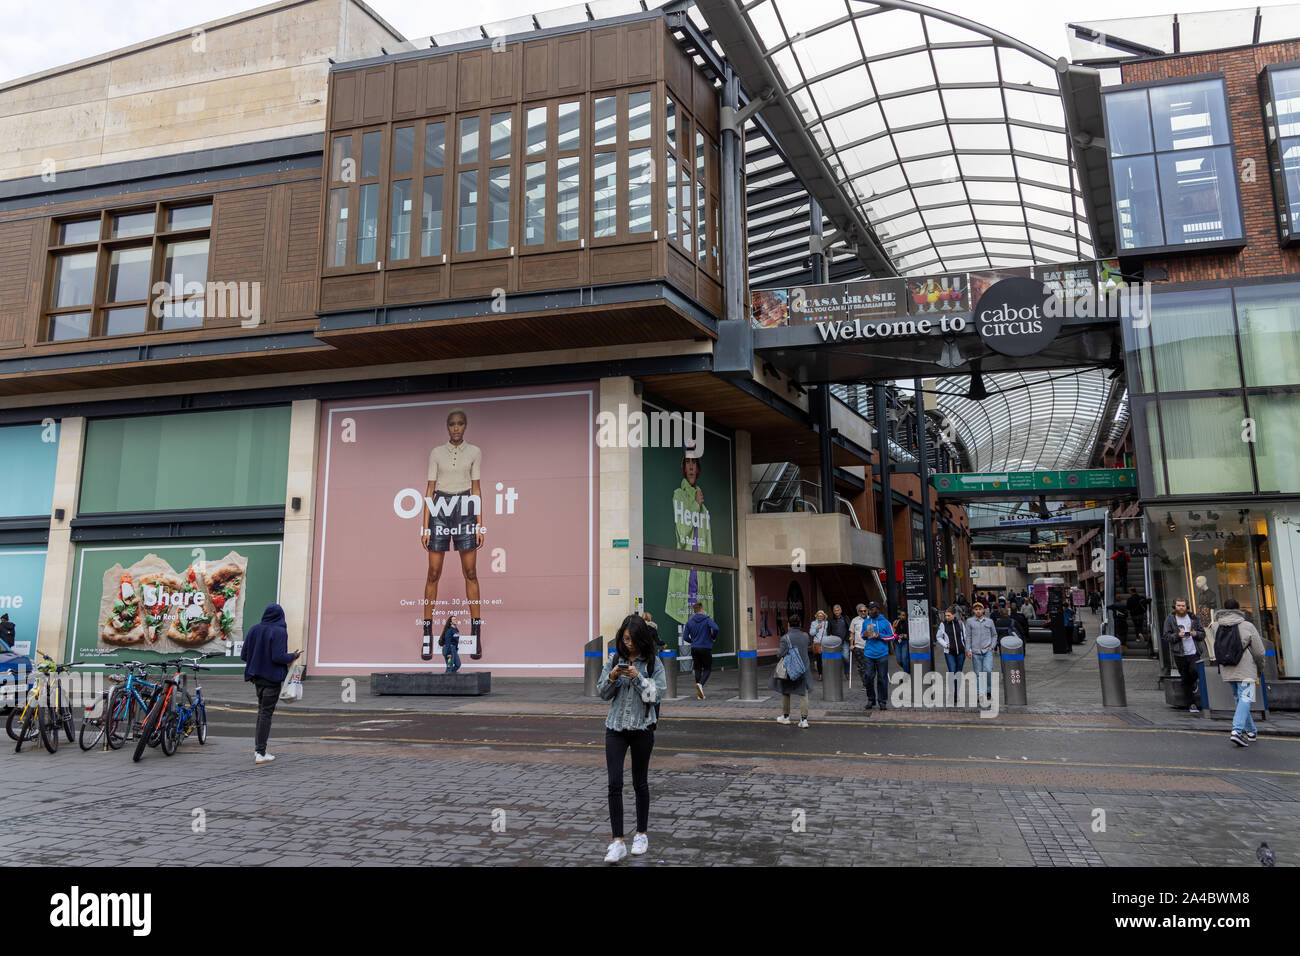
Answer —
1110 660
668 661
748 663
1013 671
922 661
593 663
832 673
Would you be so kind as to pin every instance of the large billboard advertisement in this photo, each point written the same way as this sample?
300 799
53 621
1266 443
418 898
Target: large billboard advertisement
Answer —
149 601
22 576
778 593
470 505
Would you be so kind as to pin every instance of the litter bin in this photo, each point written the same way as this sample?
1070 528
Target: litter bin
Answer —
1013 670
1270 661
593 663
918 649
1110 660
668 661
832 669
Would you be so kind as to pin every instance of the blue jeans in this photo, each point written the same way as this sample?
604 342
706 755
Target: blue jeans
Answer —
875 678
1242 721
452 656
982 662
955 664
903 653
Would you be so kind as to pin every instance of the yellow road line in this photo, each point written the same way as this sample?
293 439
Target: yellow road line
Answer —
823 756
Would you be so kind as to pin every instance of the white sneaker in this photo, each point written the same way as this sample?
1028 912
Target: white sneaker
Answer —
617 851
804 724
699 691
262 758
640 843
783 719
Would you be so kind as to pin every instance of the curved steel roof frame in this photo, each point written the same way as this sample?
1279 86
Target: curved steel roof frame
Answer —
945 139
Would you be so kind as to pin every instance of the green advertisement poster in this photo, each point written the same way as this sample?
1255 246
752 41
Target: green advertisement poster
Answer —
663 595
688 493
164 599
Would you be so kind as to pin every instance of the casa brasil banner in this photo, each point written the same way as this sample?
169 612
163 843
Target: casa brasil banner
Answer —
142 601
457 505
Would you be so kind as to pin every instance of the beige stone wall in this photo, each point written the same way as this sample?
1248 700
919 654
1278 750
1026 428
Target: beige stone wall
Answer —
256 76
622 574
60 563
296 559
770 540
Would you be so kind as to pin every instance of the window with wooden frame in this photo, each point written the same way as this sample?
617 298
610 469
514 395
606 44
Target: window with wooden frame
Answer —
622 166
552 176
128 271
484 168
354 215
418 193
679 178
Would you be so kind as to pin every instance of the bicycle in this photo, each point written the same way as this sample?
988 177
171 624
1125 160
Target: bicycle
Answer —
126 703
46 707
151 732
99 714
190 715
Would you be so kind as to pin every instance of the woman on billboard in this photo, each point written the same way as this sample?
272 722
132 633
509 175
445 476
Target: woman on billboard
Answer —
457 505
691 518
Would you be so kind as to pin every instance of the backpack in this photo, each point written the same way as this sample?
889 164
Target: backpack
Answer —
1227 645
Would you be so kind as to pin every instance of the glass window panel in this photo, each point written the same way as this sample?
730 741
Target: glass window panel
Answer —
534 204
1137 205
638 116
128 274
605 194
126 321
1286 101
670 174
403 149
399 240
371 150
467 212
74 280
640 183
182 314
431 217
341 167
132 224
569 127
1277 453
688 230
435 145
1189 115
499 147
1289 185
1128 123
606 120
189 217
185 263
1153 449
1269 321
338 227
670 125
72 325
568 197
368 224
1193 341
1203 447
498 208
535 131
469 140
701 245
1198 189
87 230
713 238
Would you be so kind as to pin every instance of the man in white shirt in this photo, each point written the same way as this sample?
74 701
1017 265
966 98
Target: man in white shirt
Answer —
1182 630
856 641
457 507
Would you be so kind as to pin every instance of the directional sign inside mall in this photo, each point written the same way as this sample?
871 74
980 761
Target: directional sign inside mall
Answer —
1092 479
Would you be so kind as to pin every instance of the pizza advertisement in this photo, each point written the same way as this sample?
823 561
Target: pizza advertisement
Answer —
157 607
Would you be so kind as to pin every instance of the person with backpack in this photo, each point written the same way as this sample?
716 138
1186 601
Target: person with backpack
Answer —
794 655
701 631
1181 631
1239 651
634 686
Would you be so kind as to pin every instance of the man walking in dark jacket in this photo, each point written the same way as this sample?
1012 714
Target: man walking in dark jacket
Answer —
266 663
838 625
701 631
1181 632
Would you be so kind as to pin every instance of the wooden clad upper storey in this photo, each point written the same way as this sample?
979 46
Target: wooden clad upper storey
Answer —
577 159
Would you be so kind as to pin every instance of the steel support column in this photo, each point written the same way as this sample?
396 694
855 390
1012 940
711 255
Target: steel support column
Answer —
887 498
923 453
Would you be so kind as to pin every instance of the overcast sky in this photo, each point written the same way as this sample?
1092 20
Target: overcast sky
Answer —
38 36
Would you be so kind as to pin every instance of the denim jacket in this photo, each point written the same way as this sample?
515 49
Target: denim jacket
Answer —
630 701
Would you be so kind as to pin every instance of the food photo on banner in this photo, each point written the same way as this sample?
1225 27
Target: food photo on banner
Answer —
934 294
470 509
169 598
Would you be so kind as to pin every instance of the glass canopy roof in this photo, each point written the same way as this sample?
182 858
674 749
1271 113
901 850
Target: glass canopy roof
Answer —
949 137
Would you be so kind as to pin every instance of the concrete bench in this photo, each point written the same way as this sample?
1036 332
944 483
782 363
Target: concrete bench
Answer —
467 684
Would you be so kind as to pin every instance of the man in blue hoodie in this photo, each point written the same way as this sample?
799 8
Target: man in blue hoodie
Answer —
875 656
701 631
266 663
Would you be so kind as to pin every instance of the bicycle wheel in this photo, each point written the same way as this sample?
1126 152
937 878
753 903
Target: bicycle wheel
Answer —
27 730
48 721
92 728
69 728
149 729
15 722
115 718
169 735
201 723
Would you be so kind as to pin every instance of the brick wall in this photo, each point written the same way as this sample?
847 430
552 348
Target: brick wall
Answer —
1241 68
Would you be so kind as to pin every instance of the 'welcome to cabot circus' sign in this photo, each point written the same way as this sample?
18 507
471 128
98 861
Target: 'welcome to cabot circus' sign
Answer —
1016 311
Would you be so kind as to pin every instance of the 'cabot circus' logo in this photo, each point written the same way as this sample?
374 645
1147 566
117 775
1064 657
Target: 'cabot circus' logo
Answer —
1013 317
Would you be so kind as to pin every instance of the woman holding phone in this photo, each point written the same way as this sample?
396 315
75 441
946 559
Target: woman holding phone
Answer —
634 685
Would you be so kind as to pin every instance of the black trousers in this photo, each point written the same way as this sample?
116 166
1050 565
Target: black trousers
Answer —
1187 671
703 659
617 744
268 695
